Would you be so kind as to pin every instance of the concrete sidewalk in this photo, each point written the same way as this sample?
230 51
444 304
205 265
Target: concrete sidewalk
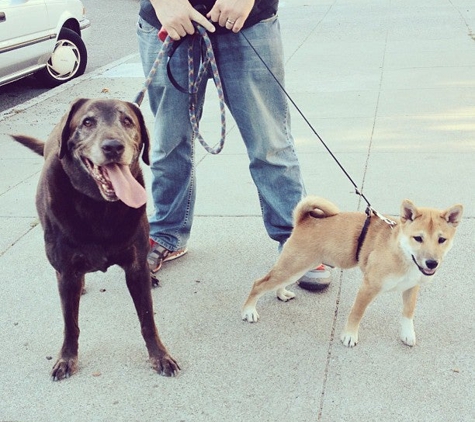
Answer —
390 86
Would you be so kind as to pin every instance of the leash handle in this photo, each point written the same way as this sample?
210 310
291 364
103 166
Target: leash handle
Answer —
163 34
209 61
168 47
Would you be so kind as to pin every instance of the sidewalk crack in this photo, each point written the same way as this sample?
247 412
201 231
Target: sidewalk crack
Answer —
471 34
330 349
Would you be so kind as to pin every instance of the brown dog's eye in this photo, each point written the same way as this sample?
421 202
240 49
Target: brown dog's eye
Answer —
418 239
128 122
442 240
88 122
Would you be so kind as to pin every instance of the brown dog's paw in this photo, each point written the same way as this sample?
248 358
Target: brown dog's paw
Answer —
166 366
64 368
155 282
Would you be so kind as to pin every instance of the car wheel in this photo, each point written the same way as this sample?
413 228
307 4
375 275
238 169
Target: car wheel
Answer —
67 61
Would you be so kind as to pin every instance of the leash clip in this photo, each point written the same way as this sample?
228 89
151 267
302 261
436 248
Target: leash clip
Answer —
388 221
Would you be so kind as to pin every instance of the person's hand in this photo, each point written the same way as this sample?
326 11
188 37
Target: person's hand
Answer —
177 17
231 14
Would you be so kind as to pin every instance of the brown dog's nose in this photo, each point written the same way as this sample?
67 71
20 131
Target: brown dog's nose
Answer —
112 148
431 264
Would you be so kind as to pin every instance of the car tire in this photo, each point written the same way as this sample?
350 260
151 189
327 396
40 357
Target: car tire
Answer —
68 60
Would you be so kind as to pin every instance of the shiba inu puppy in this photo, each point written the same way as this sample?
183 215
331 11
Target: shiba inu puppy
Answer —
397 256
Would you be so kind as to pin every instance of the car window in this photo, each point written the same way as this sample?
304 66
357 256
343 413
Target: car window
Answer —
21 19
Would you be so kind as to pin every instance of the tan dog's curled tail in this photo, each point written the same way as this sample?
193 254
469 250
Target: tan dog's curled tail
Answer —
315 207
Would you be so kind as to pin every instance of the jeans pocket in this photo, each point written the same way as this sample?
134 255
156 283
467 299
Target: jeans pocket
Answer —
267 20
144 26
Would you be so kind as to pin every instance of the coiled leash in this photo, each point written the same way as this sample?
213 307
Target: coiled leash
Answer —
369 209
207 65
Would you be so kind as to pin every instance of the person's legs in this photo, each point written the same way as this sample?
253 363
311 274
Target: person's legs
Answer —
172 150
260 108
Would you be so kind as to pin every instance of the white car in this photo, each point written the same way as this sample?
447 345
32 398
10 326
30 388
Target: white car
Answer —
42 37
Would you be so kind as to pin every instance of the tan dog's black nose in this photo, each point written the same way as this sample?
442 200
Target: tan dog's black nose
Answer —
112 148
431 264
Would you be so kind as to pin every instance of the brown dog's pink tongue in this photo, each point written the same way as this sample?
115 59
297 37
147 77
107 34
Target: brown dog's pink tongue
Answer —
126 187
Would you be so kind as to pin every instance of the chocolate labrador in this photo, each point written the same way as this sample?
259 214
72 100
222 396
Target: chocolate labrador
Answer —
91 203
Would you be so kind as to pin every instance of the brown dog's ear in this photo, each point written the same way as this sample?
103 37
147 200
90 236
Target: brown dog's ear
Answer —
453 215
143 133
65 125
408 211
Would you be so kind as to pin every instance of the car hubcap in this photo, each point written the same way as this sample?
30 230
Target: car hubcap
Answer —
64 61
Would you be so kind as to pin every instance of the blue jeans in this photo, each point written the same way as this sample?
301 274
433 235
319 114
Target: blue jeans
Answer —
260 110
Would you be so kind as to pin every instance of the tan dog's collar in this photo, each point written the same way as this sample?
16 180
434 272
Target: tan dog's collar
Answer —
369 210
363 233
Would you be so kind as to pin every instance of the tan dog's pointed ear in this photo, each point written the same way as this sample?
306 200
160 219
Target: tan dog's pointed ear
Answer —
65 125
408 211
453 215
143 134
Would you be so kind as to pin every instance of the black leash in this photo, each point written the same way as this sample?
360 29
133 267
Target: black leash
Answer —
369 209
357 191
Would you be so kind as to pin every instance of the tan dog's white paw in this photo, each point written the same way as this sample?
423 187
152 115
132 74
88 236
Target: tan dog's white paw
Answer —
250 315
408 335
285 295
349 339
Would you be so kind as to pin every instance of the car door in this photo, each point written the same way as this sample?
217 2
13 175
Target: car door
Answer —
25 38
